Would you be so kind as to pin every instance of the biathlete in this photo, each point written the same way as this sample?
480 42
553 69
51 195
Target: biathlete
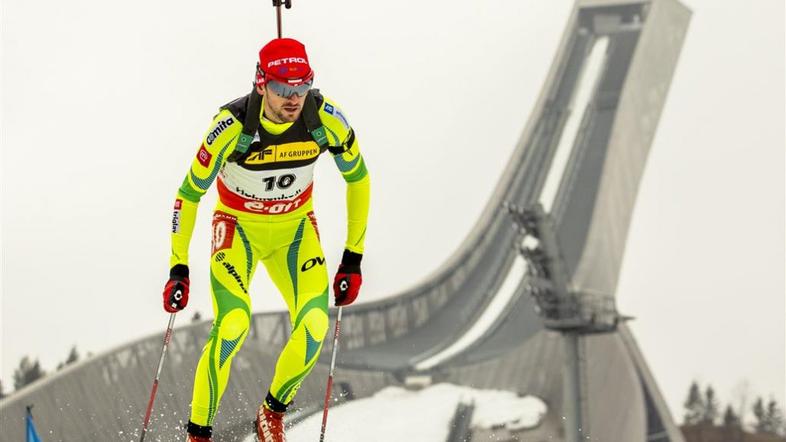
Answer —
260 150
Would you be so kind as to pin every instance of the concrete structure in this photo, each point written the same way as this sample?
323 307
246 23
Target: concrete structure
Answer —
386 342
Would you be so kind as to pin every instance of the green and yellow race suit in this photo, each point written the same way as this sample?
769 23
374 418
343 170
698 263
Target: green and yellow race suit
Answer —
265 213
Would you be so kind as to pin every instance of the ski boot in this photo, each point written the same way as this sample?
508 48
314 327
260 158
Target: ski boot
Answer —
198 433
270 425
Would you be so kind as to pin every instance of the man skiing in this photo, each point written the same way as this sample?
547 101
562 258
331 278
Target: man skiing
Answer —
262 149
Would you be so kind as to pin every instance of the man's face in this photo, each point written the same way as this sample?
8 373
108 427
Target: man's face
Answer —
280 109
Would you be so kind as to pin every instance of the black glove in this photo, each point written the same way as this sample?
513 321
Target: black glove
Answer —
176 289
346 284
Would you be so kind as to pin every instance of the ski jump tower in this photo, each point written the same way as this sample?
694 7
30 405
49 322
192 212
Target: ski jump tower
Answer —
608 88
503 312
571 184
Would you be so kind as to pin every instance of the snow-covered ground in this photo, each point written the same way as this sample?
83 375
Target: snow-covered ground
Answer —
396 414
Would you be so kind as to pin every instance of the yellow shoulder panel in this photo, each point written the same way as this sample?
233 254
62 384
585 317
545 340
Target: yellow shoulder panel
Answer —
335 122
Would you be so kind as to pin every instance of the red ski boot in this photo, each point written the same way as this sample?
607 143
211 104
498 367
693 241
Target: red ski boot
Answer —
270 425
192 438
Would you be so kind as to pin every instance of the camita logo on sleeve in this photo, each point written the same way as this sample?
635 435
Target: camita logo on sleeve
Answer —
218 128
203 156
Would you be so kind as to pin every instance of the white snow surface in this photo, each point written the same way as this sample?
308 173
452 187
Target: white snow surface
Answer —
583 93
397 414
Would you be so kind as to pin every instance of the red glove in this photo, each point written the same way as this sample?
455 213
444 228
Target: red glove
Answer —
346 284
176 289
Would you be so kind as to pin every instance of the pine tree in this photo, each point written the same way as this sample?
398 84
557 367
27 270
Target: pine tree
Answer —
710 413
2 393
27 372
694 406
741 395
761 416
774 418
197 316
73 356
730 418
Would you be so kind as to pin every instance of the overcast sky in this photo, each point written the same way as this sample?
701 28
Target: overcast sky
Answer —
104 104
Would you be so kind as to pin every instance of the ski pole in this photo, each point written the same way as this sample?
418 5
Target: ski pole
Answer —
167 337
330 376
277 5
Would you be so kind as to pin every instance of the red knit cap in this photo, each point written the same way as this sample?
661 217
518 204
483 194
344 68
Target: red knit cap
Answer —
285 60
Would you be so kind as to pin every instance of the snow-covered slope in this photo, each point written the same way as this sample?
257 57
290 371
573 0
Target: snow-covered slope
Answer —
396 414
